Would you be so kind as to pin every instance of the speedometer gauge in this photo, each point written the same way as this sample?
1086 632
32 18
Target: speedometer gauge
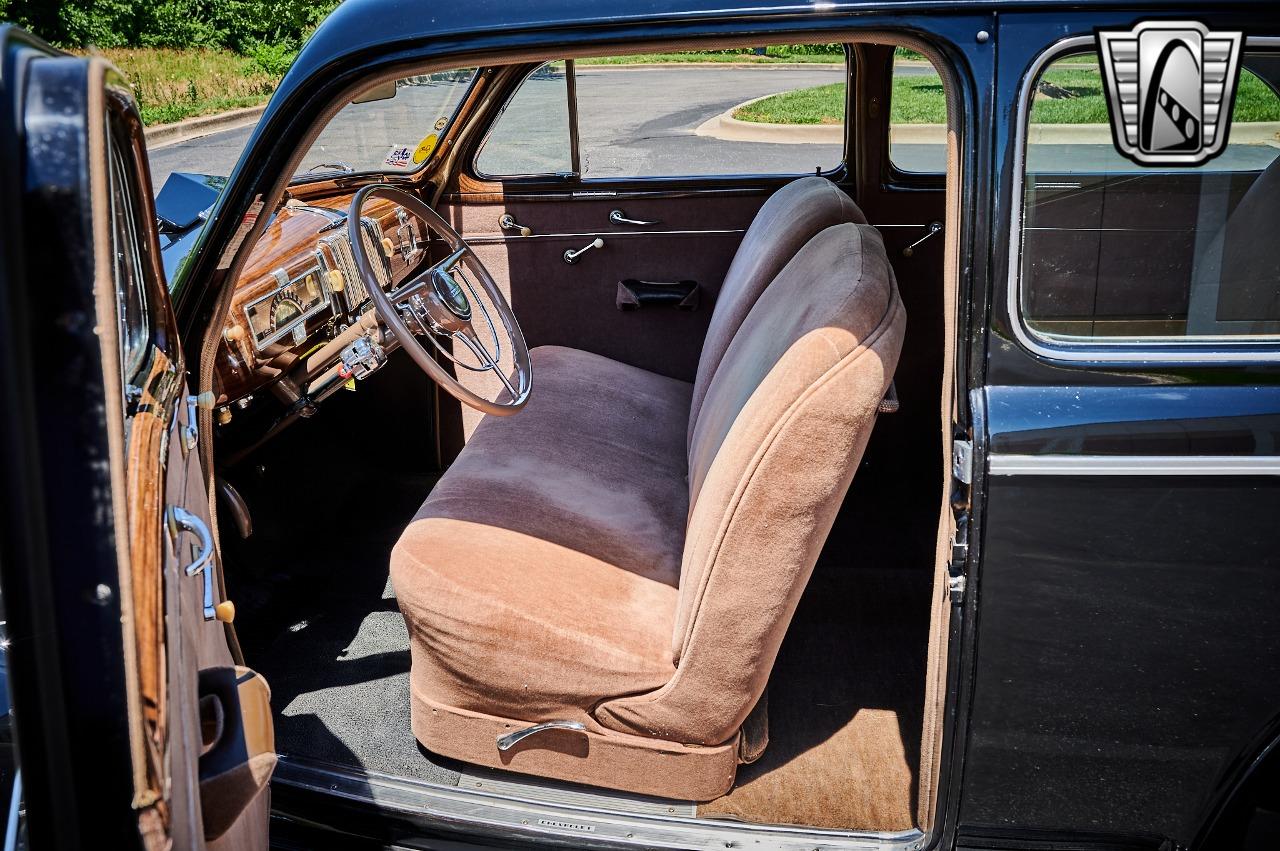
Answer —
285 309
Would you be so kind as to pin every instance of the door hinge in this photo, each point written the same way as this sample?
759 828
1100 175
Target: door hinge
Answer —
962 461
955 585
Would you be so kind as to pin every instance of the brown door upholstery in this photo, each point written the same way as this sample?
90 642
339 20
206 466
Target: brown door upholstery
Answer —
605 558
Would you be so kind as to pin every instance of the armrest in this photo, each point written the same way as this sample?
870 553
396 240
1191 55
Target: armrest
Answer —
633 294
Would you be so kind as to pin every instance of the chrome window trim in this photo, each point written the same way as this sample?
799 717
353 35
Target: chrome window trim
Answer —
496 239
1185 350
1007 464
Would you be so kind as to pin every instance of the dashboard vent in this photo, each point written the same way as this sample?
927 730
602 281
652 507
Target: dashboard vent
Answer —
373 245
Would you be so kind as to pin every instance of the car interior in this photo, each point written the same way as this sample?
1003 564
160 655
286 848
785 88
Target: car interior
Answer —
645 516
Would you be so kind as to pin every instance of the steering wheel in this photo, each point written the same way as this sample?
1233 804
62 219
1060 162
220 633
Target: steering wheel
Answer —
441 303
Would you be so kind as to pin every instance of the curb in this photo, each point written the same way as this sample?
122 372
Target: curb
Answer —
725 126
192 128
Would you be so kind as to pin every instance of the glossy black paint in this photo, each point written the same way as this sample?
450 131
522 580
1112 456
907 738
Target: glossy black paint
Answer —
1126 661
182 205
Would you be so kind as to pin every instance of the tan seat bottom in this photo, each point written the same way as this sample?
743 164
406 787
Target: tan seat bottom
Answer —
648 766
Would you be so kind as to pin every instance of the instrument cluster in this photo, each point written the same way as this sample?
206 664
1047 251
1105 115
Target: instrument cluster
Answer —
301 292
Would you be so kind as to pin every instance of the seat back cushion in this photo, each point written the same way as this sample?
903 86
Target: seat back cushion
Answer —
789 219
782 429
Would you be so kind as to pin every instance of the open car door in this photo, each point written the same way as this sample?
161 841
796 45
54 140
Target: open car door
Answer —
135 724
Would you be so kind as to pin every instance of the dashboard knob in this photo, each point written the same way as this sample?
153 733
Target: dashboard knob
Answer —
336 281
233 334
387 247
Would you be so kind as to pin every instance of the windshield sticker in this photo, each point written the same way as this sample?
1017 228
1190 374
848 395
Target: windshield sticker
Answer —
425 147
401 156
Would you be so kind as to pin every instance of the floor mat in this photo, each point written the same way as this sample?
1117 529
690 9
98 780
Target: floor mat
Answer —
845 702
320 622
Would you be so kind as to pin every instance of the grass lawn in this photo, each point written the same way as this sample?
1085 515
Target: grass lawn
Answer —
174 84
920 100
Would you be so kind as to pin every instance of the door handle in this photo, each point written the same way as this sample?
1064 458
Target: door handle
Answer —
181 520
572 256
618 217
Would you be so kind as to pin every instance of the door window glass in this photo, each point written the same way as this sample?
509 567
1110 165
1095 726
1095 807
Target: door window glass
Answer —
1115 251
767 110
130 283
531 136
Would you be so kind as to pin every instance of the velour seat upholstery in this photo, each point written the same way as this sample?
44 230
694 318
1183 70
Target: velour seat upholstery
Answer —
627 552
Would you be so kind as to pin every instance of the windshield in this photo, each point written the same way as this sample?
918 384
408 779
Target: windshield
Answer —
389 129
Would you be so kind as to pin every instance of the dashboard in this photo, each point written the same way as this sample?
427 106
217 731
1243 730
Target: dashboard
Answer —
300 296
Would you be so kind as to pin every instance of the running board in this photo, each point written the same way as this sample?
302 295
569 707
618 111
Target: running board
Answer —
523 813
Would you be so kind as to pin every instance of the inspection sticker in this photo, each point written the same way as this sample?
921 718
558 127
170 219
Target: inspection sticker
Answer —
425 147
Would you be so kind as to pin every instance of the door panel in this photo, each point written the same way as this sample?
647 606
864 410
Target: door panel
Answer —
693 237
101 333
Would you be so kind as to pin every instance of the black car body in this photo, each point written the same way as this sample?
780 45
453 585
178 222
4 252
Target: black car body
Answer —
1107 651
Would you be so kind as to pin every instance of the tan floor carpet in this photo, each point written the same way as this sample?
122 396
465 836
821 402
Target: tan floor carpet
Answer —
845 704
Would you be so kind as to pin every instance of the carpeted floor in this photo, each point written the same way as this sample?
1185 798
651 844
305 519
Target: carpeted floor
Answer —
845 702
318 619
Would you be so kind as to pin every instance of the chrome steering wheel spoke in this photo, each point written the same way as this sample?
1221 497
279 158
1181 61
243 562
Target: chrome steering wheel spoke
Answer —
440 304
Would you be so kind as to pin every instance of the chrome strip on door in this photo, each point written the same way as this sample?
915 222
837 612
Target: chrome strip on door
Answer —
491 239
1001 464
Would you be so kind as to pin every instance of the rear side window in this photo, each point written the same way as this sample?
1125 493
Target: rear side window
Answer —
917 115
1116 252
771 110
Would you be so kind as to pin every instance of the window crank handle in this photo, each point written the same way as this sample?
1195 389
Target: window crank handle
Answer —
508 222
572 256
934 227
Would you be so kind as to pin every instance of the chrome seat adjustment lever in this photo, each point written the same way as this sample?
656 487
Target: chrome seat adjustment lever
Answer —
510 740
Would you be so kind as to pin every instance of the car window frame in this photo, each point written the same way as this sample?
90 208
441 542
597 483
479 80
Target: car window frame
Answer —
838 173
1189 351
